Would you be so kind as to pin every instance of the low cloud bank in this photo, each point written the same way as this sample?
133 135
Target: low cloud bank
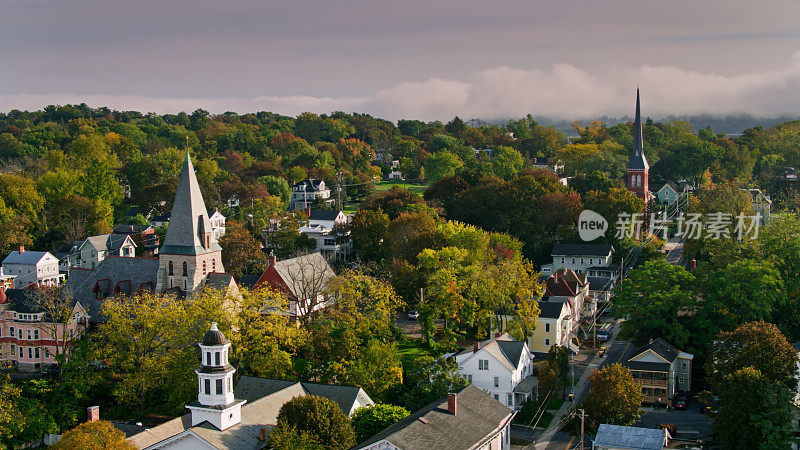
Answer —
563 91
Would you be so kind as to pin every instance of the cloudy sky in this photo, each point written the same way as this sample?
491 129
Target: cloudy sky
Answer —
416 59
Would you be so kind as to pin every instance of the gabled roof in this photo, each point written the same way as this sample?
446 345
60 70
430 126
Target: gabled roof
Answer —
550 310
564 283
310 184
189 218
478 417
105 242
254 388
302 274
600 283
81 283
637 159
661 348
28 301
125 228
503 348
26 257
581 250
323 214
618 436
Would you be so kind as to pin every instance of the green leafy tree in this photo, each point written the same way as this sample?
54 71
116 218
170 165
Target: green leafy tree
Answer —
277 186
506 162
614 398
392 202
321 418
241 252
657 301
752 412
371 420
428 379
440 165
368 230
285 437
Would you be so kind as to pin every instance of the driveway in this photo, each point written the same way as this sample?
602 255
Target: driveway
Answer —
409 327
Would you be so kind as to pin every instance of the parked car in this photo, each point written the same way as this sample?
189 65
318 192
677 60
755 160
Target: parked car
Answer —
413 315
680 400
602 352
603 335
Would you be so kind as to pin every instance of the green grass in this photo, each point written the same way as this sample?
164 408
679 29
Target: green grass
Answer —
350 208
386 185
411 349
518 441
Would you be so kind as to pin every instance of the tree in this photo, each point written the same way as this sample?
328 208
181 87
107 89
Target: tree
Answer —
428 379
613 202
392 202
368 229
658 301
752 412
371 420
506 162
409 234
98 435
241 252
575 155
285 437
276 186
321 418
558 361
759 345
440 165
615 397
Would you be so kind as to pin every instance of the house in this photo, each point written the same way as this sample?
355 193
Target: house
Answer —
305 192
144 236
618 437
32 267
396 175
553 164
30 337
88 253
662 370
6 280
225 417
594 260
555 326
666 194
303 278
217 223
321 224
762 204
565 285
467 419
501 367
159 220
600 288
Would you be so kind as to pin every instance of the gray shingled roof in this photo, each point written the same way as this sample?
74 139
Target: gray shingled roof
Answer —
619 436
310 184
550 310
648 365
478 416
253 388
512 350
323 214
305 273
661 348
581 250
130 274
600 283
26 257
188 218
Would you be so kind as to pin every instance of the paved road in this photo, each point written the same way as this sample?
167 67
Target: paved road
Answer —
674 247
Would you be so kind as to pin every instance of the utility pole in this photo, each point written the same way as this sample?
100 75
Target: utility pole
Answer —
583 418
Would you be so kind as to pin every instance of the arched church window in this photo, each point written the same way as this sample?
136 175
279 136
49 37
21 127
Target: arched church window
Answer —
170 268
185 269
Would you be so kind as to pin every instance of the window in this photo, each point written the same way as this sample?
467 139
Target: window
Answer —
469 378
496 397
562 260
11 331
19 334
219 386
208 358
496 381
29 333
30 353
683 366
573 260
680 380
483 364
204 267
547 341
21 354
46 352
185 269
510 400
170 268
213 265
37 352
13 349
581 260
591 261
216 359
329 241
547 328
208 386
36 334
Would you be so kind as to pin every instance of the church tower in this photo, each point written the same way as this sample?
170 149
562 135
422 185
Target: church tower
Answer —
215 402
190 251
638 169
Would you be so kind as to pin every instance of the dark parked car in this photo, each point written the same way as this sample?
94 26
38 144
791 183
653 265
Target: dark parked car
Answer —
680 400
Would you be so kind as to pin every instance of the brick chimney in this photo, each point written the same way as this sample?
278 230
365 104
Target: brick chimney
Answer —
93 414
307 212
272 259
262 434
21 249
452 405
693 264
476 346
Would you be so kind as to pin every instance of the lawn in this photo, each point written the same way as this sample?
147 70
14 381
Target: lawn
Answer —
350 208
386 185
555 403
410 349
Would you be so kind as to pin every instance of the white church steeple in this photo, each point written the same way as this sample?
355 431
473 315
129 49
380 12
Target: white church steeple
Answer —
215 401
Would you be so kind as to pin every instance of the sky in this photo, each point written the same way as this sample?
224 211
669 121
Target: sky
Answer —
428 60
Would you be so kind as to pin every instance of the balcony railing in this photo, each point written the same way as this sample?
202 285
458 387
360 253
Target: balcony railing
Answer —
651 383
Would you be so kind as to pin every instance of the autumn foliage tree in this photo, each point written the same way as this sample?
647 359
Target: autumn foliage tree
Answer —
614 398
97 435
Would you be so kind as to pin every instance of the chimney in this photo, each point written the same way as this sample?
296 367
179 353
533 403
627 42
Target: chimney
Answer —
497 334
93 414
451 402
262 434
476 346
692 265
21 249
307 212
272 259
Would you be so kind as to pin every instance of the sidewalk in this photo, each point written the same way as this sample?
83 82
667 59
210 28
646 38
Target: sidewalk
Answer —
579 389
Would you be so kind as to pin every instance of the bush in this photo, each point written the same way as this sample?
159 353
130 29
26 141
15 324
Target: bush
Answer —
320 419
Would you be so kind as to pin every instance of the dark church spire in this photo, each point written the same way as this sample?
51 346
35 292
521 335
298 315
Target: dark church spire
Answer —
637 160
